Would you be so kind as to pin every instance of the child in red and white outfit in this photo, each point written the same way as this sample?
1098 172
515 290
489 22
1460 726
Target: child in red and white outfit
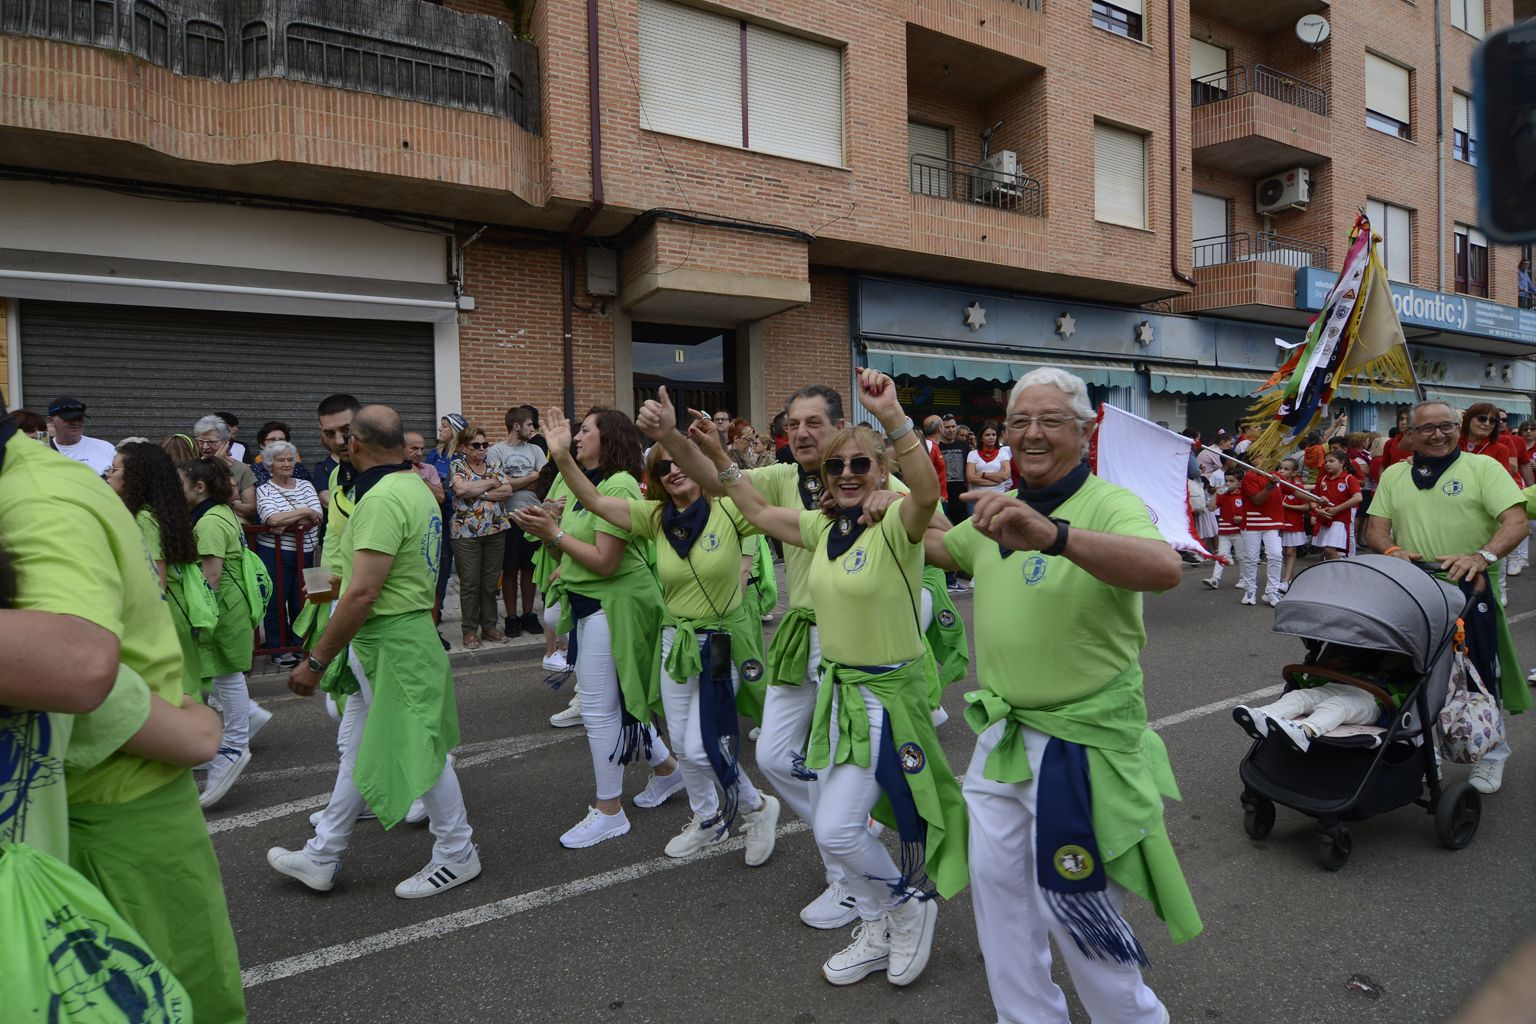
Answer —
1230 510
1293 536
1341 490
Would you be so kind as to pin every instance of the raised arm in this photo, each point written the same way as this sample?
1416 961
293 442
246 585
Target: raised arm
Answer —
658 421
557 434
877 393
780 523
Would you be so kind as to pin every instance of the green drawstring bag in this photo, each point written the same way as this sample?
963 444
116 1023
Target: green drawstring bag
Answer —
255 584
69 957
190 590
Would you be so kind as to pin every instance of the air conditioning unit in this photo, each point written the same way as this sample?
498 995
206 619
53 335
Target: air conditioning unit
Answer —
996 176
1289 191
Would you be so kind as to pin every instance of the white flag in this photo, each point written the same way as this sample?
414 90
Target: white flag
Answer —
1152 462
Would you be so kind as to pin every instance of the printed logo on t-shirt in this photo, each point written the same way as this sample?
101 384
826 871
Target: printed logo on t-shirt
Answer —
96 969
1034 569
854 561
432 543
27 761
711 541
1451 487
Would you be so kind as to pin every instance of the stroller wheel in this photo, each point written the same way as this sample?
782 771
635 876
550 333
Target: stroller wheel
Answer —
1457 814
1258 815
1333 847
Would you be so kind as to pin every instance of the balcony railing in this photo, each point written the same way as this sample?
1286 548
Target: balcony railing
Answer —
1260 246
1266 81
978 184
410 50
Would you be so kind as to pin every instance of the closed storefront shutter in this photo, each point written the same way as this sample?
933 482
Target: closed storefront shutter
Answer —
154 371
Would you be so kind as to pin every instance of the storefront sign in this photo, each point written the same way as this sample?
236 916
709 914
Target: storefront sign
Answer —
1462 314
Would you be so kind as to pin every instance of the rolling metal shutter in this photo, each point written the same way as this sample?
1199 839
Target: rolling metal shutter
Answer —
154 371
1120 176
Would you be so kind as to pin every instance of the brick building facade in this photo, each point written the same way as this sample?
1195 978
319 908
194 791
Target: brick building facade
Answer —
438 174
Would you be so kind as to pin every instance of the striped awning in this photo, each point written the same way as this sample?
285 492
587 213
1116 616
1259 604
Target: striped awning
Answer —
1214 383
938 362
1461 398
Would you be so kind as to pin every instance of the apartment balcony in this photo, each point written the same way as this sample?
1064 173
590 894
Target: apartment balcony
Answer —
1250 276
985 184
404 90
1259 16
1254 121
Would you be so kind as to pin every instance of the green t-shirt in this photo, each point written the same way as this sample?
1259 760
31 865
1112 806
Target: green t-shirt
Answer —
706 584
583 525
779 484
334 553
77 551
1046 630
867 600
149 526
217 534
1457 516
398 516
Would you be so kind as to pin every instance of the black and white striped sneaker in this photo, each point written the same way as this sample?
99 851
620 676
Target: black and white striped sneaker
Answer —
439 877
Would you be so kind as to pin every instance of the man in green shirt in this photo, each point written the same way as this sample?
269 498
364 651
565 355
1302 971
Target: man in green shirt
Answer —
1465 512
380 646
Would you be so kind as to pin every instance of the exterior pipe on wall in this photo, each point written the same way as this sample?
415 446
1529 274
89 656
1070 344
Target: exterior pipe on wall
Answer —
585 217
1173 151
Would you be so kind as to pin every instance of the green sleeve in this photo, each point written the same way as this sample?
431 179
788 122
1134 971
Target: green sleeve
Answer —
1126 515
102 732
64 562
149 526
643 518
961 542
381 526
1530 501
1381 501
743 527
619 485
812 526
1498 488
777 484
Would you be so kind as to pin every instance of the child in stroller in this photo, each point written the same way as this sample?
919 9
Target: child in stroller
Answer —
1350 686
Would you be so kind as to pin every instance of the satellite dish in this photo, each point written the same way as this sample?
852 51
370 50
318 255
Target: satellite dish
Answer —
1313 29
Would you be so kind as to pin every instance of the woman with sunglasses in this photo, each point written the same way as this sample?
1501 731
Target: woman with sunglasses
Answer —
706 624
872 741
1481 434
607 590
480 525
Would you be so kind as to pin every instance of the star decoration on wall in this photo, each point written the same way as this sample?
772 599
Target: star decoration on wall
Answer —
975 316
1065 325
1144 334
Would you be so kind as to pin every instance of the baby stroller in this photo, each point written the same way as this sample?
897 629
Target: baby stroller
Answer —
1391 621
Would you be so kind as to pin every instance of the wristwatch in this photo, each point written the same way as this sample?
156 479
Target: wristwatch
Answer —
1487 556
1060 543
316 665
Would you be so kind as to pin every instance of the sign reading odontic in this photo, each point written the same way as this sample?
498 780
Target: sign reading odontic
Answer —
1463 314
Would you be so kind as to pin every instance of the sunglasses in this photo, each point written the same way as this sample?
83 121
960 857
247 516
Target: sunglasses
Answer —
664 467
1483 419
860 464
479 444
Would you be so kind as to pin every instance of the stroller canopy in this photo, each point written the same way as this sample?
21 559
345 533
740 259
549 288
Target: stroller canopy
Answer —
1372 601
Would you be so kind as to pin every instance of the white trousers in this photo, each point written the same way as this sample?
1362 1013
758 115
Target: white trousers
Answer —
1323 708
1013 920
235 707
1253 541
444 802
680 700
1224 549
597 683
841 820
787 712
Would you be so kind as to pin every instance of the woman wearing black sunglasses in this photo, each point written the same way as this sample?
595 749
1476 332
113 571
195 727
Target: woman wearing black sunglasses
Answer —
479 531
711 639
872 741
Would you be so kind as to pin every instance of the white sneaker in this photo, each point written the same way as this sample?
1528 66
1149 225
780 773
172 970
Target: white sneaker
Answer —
1212 584
660 788
762 825
1248 598
416 814
757 730
699 833
1284 586
834 908
1272 599
595 828
367 815
259 717
1300 738
869 952
1514 568
439 876
555 662
1255 721
1487 776
296 864
1238 585
1532 677
569 717
228 763
939 716
909 930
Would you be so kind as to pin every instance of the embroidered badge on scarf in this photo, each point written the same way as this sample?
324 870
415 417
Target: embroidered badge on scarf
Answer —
845 532
684 527
810 488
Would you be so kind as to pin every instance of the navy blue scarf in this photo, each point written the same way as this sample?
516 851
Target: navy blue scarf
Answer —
1049 498
364 481
1068 866
720 730
202 508
910 826
684 527
594 475
810 485
1428 469
845 532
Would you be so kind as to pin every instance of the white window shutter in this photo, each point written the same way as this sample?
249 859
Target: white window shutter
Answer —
1386 88
794 97
1119 176
1208 228
1460 112
1474 17
1476 237
1205 59
927 156
690 72
1134 6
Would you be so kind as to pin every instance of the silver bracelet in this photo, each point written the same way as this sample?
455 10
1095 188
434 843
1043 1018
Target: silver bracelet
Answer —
729 475
900 432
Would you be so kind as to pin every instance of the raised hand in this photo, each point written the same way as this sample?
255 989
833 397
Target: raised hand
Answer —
657 417
702 432
877 393
557 431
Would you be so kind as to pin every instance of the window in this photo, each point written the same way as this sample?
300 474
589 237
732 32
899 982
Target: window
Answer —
1471 261
1208 219
1386 96
1395 226
1467 15
719 79
1207 72
1123 17
1463 143
1119 176
928 159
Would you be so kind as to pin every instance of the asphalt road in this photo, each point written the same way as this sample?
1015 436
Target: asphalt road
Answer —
619 933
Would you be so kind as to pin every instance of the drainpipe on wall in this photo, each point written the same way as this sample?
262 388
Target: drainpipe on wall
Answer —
584 219
1173 151
1439 153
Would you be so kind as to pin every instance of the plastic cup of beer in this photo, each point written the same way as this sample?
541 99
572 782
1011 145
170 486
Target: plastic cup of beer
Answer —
317 584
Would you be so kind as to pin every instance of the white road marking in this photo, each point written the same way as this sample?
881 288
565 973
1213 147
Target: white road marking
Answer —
1521 617
1207 709
435 927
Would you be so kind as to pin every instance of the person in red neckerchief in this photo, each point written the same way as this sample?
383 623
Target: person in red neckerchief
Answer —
1341 491
1230 510
1396 449
1522 439
1293 537
1261 531
1480 435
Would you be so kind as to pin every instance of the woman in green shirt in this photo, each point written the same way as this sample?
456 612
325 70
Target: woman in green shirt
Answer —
872 741
611 595
226 649
705 622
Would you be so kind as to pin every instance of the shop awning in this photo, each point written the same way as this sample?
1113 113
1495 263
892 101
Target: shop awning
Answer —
937 362
1191 381
1376 396
1461 398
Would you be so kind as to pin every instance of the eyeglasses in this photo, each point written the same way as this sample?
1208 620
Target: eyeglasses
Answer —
1426 429
479 444
664 467
1046 422
859 464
